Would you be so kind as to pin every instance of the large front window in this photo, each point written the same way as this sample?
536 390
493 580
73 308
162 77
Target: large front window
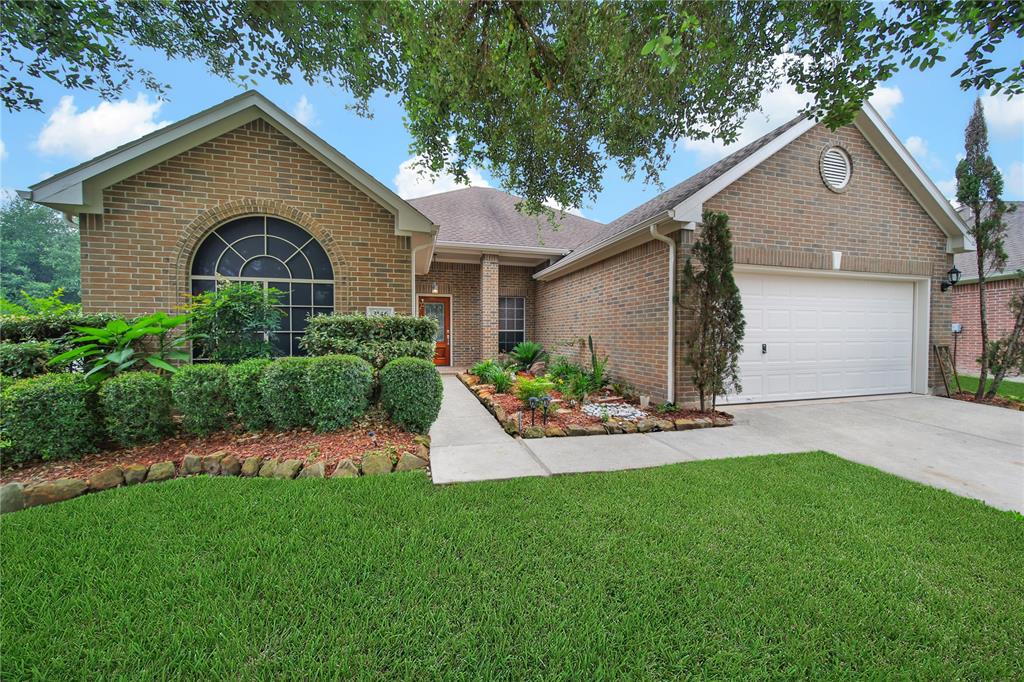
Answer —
274 253
511 322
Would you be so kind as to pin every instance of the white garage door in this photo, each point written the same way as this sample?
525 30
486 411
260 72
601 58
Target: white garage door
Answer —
823 337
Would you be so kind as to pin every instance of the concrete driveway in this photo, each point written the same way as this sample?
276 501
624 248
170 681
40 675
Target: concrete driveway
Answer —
972 450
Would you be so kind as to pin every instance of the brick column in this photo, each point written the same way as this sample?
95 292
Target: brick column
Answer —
488 306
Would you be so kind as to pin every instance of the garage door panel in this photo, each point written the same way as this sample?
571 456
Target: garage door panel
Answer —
825 336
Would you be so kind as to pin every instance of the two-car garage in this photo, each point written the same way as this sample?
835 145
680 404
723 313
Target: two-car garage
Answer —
813 336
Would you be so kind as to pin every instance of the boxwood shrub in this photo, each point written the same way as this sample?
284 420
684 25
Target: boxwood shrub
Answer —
378 340
283 389
136 408
56 327
338 388
200 394
410 391
26 359
52 416
244 387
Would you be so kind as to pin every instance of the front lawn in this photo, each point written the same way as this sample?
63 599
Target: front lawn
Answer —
1007 388
783 566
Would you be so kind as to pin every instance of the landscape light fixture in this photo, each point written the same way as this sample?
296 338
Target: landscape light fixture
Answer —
952 277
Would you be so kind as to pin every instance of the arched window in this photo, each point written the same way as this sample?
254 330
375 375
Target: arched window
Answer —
272 253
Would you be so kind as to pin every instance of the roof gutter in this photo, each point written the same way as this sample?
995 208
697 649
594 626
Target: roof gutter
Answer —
670 387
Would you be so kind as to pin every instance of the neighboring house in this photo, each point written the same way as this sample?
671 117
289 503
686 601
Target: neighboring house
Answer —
999 287
840 243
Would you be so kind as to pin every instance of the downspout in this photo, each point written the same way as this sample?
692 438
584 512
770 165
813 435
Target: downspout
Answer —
670 392
412 274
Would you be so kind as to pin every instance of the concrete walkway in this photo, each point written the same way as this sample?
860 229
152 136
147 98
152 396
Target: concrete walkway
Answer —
972 450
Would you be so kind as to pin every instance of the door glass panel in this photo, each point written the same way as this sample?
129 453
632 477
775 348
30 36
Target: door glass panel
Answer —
435 311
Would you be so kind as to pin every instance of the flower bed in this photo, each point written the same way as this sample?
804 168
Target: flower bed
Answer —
568 418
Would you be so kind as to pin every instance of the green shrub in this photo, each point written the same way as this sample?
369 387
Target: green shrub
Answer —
244 387
338 389
200 394
410 391
526 353
283 389
26 359
56 327
502 381
533 388
136 408
378 340
483 368
562 368
52 416
231 321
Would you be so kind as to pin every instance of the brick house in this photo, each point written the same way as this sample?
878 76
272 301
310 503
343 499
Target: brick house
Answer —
840 242
1000 287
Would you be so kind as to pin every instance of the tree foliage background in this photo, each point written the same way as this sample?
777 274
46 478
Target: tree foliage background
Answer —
39 252
542 94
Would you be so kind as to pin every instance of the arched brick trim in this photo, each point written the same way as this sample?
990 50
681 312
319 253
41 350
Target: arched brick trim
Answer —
211 218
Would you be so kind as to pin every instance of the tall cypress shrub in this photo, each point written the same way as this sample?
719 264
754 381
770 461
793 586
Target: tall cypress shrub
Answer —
710 295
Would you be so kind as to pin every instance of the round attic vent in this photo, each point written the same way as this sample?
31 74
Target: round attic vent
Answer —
836 168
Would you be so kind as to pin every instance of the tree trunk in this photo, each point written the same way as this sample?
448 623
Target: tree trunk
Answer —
1013 351
984 326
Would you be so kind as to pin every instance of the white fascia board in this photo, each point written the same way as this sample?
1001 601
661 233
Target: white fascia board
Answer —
691 209
82 186
884 140
499 249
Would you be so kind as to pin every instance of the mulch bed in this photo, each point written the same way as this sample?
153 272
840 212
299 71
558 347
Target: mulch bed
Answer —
996 401
304 444
563 413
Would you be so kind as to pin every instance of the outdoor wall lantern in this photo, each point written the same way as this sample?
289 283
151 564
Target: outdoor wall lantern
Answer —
433 289
952 277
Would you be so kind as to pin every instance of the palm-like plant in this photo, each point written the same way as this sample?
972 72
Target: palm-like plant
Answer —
526 353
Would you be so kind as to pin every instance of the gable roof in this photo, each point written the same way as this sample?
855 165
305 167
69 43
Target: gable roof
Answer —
967 263
682 204
80 189
488 217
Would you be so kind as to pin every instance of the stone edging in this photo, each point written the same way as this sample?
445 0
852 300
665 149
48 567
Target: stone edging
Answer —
15 496
613 426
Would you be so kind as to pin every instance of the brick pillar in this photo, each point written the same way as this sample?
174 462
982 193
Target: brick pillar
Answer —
488 306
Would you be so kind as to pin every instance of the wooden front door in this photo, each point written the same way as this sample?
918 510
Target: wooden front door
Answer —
440 309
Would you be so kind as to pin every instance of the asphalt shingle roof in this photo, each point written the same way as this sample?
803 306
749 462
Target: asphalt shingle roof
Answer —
483 215
967 263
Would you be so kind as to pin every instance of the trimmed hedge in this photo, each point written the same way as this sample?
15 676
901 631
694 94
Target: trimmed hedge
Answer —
410 391
338 389
244 387
200 394
26 359
52 416
378 340
49 327
283 388
136 408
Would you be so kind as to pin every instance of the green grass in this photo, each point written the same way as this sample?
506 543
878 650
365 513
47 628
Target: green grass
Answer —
783 566
1007 388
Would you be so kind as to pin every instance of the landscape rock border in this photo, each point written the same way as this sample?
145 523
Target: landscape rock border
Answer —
15 496
614 426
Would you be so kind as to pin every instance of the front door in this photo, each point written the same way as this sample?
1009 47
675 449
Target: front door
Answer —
439 308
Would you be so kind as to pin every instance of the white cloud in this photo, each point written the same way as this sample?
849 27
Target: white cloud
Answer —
3 150
1003 115
1014 181
775 108
918 148
412 180
85 134
304 112
551 203
885 100
948 188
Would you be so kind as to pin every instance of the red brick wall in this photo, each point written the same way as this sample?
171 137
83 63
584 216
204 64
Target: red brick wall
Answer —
621 302
136 257
462 282
968 314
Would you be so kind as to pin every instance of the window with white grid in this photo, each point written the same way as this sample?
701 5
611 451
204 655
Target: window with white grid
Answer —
511 322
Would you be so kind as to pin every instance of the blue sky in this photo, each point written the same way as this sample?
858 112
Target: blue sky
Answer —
928 111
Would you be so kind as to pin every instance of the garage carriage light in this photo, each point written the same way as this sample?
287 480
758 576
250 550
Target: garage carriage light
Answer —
952 277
